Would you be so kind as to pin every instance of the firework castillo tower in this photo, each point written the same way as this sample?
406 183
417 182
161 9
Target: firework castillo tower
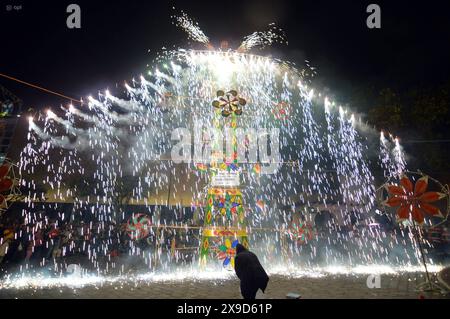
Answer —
224 221
318 162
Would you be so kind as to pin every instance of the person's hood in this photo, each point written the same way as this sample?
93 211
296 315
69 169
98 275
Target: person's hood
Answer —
240 248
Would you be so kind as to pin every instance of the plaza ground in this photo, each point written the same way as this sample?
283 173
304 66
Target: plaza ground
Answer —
332 286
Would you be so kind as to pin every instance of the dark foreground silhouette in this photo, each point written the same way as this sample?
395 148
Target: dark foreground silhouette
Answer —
250 272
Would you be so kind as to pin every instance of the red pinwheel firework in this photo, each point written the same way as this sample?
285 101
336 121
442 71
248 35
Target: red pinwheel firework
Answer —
138 226
261 205
281 111
6 184
229 102
301 232
413 200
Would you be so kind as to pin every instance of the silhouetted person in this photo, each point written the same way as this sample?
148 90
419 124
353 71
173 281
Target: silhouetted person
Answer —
250 272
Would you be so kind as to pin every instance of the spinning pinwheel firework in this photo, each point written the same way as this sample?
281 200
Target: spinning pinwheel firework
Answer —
229 102
228 204
301 232
138 226
412 203
227 252
415 201
281 111
8 185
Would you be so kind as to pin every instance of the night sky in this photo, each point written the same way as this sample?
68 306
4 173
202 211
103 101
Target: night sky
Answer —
119 38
